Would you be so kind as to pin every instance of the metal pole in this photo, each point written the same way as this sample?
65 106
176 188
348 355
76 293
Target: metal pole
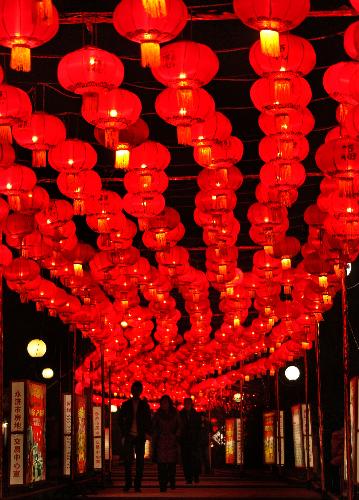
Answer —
320 412
241 389
103 463
347 422
1 387
110 424
307 457
91 414
209 440
279 440
73 412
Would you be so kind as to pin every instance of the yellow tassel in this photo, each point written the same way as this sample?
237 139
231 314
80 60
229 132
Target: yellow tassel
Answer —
78 269
103 225
270 43
184 135
204 154
286 263
323 281
5 134
161 238
79 207
122 158
287 289
155 8
346 188
39 158
89 102
150 54
282 90
222 268
111 137
284 172
286 149
20 58
145 182
14 202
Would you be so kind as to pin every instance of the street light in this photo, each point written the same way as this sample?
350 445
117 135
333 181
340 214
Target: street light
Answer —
113 408
292 373
36 348
47 373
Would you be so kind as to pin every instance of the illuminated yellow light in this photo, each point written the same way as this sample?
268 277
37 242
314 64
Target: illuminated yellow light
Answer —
70 161
9 185
183 112
34 138
113 113
92 61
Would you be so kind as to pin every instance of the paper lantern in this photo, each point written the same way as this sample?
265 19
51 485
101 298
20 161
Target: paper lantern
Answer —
116 110
41 133
47 373
295 121
80 188
132 22
36 348
222 154
271 17
23 27
216 129
88 72
14 182
152 155
337 81
72 156
15 109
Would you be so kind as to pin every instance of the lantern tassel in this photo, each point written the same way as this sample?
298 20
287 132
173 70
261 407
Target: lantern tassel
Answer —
89 102
79 207
5 134
155 8
78 269
111 137
45 10
150 54
20 58
39 158
204 154
270 43
184 135
122 158
185 98
14 202
161 238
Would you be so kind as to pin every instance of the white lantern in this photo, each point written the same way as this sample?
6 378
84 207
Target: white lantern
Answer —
292 373
113 408
237 397
36 348
47 373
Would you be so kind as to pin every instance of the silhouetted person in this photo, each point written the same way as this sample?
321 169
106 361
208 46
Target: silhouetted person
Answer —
190 441
165 439
135 424
204 444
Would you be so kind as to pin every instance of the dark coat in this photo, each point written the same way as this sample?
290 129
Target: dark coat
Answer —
143 417
166 434
191 428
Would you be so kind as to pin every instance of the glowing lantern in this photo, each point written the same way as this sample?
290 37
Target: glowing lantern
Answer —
15 109
15 181
80 187
47 373
116 110
88 72
216 129
36 348
285 250
72 156
41 133
292 373
23 27
271 17
171 108
131 21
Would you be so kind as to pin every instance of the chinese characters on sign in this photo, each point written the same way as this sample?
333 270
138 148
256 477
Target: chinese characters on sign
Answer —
280 439
300 436
96 431
268 437
230 441
239 442
16 459
17 406
36 445
81 436
66 424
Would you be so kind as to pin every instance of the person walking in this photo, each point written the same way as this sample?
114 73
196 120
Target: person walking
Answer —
204 444
165 438
190 442
135 425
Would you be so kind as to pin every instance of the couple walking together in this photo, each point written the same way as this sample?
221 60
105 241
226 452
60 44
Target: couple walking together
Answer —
168 429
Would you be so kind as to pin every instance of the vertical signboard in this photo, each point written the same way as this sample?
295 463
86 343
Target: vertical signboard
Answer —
354 419
269 437
66 426
299 416
81 434
230 441
27 440
280 439
96 435
239 442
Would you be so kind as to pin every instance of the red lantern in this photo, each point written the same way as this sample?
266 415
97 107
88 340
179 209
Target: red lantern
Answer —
284 147
274 198
150 155
80 187
33 201
272 17
72 156
88 72
338 80
286 249
223 154
283 175
14 182
129 138
116 110
185 66
146 181
131 21
41 133
295 121
296 55
23 27
355 4
228 178
182 114
15 109
217 128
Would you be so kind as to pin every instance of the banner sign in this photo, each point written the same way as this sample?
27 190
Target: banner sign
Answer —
27 440
269 424
354 419
66 430
107 443
299 416
81 434
230 441
96 435
239 442
280 439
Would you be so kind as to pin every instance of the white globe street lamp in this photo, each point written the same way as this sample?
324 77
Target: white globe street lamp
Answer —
292 373
47 373
36 348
